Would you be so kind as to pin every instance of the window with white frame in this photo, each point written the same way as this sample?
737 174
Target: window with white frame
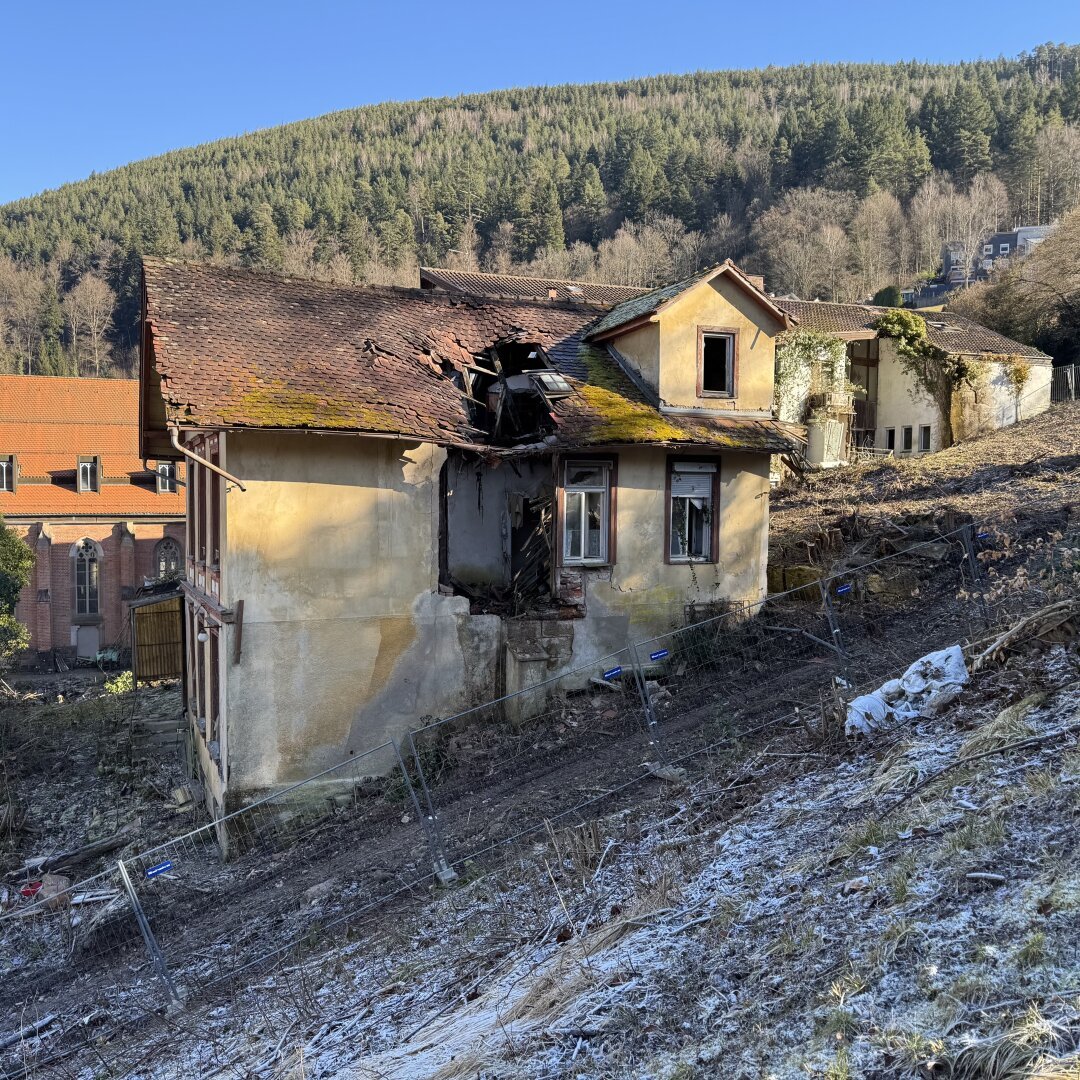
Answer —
586 511
87 592
7 473
988 249
691 511
166 477
89 474
1003 249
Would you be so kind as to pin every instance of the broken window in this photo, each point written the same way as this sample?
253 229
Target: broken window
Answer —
89 475
690 523
86 578
586 502
924 438
716 362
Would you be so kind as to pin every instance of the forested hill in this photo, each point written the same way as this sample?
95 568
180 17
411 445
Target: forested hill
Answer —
834 180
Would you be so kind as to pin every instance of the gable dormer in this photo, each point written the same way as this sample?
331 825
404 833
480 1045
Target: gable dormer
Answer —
706 343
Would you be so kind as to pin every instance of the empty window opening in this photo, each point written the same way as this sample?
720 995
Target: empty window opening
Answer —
89 474
717 364
691 511
924 438
907 440
890 438
585 512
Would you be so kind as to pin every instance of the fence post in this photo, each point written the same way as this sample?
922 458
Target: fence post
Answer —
443 870
156 954
976 573
834 629
652 728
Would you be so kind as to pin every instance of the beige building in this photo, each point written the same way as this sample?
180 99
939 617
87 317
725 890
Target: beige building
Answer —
405 502
891 414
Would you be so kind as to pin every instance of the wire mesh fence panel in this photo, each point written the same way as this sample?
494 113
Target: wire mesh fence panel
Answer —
723 673
225 896
584 729
55 935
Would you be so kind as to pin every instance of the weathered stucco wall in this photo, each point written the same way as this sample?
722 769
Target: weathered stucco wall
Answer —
640 349
718 303
990 406
641 594
346 640
898 407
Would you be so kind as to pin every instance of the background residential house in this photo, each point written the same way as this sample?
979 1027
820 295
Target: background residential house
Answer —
73 486
404 500
890 412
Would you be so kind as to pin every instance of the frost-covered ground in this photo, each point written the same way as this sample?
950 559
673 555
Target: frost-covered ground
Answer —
905 904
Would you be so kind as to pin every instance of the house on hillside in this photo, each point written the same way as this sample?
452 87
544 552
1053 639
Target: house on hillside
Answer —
100 520
408 501
890 412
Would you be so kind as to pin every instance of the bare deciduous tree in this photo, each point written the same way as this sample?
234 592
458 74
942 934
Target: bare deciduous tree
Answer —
90 307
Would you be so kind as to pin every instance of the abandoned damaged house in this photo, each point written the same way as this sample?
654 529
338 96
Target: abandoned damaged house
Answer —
101 521
888 413
402 502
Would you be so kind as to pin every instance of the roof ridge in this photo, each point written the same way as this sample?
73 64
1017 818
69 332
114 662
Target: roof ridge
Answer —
533 277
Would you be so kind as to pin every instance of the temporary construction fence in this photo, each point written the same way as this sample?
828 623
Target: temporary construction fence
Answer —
199 911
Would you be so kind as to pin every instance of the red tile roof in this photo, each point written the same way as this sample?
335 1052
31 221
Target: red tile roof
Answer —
236 348
522 287
49 423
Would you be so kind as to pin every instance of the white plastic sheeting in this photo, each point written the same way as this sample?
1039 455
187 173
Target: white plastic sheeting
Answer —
923 690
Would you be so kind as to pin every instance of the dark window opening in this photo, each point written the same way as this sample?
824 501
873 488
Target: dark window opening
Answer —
924 438
86 579
890 438
167 559
717 363
907 440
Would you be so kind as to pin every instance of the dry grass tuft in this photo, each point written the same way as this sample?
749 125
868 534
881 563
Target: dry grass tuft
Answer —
1008 726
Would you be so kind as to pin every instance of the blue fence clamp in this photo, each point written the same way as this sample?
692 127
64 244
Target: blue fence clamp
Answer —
161 868
613 673
841 589
981 536
658 655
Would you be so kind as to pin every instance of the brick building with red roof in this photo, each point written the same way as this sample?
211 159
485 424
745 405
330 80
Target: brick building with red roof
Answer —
100 521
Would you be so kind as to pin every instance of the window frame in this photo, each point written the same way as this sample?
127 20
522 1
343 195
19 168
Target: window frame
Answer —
164 544
78 562
11 482
731 332
94 461
1004 249
907 439
167 483
714 524
924 429
610 463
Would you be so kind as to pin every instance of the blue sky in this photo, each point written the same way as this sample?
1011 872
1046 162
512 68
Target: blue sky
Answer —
89 85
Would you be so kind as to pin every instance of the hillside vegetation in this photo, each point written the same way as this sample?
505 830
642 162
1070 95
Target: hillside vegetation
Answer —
834 180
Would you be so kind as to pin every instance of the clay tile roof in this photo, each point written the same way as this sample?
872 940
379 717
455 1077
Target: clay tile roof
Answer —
650 303
945 329
519 286
236 348
48 423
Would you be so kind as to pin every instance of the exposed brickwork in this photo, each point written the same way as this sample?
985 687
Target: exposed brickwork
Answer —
127 559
